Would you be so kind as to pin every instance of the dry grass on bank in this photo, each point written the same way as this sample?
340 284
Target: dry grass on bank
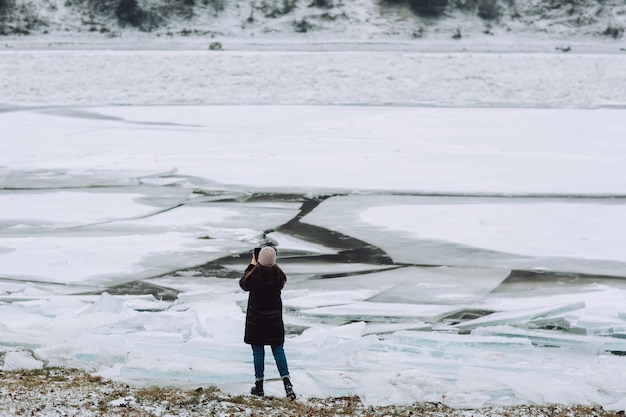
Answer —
69 392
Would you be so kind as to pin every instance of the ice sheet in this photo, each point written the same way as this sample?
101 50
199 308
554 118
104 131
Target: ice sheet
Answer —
443 150
68 208
102 258
555 234
384 331
585 230
97 236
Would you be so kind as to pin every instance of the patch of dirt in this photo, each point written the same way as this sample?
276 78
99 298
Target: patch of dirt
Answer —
62 392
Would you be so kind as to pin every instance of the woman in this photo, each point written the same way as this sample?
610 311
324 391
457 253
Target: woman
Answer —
264 317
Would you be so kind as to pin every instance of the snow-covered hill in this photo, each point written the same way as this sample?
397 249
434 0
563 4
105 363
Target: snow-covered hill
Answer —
345 19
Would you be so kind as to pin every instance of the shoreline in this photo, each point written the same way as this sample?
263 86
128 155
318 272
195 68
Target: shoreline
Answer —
63 391
478 42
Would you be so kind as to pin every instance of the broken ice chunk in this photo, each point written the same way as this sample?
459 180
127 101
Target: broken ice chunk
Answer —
147 303
456 341
443 285
600 325
327 298
380 388
156 340
320 337
549 338
556 323
386 312
519 316
20 360
109 304
611 331
540 388
380 328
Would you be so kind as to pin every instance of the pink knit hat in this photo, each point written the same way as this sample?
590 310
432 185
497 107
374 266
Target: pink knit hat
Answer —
267 256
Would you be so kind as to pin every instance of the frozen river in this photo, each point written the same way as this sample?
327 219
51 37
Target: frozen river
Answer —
469 255
433 254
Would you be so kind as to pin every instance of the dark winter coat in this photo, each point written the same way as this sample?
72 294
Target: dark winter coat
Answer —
264 316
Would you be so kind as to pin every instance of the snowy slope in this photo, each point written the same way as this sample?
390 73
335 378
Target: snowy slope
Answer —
354 19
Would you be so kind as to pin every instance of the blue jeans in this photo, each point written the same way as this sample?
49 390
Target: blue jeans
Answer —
258 353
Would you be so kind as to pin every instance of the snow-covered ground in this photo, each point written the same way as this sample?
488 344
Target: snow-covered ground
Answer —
451 222
353 73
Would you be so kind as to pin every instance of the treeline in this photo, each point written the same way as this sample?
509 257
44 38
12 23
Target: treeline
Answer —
22 16
129 12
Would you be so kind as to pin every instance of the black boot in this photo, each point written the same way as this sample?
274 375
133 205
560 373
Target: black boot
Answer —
289 389
257 389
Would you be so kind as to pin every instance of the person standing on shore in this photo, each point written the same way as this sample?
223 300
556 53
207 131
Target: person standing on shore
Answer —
264 280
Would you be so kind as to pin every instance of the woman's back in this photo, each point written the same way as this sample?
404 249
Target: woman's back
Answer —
265 285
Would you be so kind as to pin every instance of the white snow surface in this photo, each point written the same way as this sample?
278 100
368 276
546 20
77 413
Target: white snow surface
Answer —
366 74
493 181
